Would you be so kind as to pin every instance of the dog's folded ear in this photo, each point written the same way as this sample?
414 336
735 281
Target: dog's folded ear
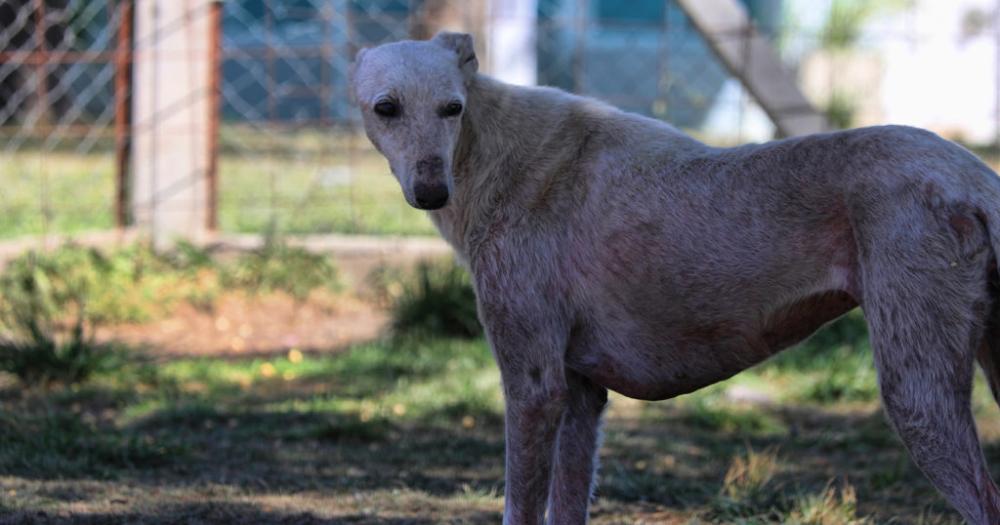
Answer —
461 44
352 95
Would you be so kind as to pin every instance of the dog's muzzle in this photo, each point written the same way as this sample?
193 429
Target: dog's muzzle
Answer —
429 190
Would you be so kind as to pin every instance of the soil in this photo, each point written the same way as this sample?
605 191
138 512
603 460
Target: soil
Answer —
242 324
246 324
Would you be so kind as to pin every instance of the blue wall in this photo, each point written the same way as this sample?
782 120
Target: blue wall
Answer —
641 55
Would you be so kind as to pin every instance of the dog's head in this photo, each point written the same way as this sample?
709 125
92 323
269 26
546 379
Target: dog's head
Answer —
412 96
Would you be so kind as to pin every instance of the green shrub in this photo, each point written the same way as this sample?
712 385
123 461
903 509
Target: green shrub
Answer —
850 376
847 335
128 285
384 285
46 325
841 110
187 257
437 299
280 267
42 359
52 302
132 284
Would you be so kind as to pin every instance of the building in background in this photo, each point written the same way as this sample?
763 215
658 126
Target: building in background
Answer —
643 56
289 62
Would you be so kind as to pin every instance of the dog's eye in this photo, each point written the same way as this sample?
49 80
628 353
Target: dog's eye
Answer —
387 109
452 109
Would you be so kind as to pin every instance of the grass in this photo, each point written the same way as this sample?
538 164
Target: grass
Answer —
291 181
294 181
52 303
410 429
49 192
279 267
327 194
407 429
437 298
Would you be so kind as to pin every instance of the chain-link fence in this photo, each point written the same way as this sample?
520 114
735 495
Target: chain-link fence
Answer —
281 147
64 89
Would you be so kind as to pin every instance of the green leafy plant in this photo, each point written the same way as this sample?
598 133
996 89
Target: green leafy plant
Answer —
844 23
840 110
47 329
188 257
279 267
844 338
437 299
846 19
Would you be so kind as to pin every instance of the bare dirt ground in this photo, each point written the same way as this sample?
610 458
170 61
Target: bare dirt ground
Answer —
242 325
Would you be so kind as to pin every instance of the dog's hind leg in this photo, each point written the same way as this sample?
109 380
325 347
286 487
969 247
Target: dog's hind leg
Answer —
926 316
989 349
576 451
989 356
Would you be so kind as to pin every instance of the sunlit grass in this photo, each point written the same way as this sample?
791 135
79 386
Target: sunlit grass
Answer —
55 192
297 182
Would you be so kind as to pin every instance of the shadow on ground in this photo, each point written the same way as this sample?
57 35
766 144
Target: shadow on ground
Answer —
350 443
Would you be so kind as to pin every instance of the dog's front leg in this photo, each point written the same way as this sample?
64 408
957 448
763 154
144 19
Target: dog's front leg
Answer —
530 357
576 451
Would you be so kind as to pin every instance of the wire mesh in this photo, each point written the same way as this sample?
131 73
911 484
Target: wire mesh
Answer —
57 114
291 154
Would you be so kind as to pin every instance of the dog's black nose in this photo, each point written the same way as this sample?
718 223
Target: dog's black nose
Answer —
430 196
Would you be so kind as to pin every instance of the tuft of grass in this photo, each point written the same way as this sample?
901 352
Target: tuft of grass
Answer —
46 329
280 267
749 474
132 284
437 299
51 303
830 507
747 491
41 360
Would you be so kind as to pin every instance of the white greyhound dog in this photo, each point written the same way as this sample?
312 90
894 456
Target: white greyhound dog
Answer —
611 251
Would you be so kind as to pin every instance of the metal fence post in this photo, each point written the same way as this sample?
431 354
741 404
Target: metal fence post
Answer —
123 117
214 114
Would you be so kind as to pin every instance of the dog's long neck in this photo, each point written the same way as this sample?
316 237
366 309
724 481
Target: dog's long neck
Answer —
514 142
520 145
497 131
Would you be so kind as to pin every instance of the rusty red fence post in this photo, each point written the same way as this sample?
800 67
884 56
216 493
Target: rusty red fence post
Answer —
214 109
41 63
123 112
